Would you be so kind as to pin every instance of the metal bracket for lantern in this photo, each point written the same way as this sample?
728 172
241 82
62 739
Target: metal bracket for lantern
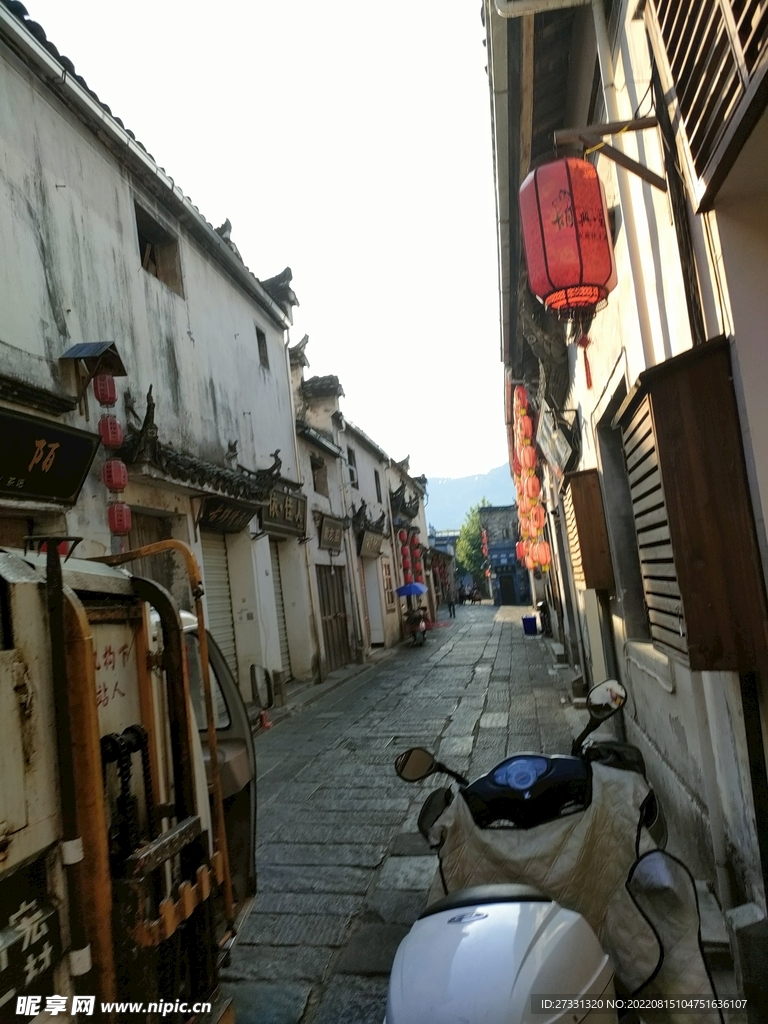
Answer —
592 138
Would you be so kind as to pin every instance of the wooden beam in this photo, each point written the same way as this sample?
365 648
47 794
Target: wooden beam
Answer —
631 165
599 131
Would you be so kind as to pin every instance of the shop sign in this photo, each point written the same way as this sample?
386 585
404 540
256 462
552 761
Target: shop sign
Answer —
43 461
224 516
331 531
286 512
553 440
370 545
30 937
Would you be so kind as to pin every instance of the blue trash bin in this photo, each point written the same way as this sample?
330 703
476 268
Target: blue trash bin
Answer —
529 625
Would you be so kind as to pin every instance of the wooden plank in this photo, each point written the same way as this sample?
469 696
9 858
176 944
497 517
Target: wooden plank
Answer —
669 639
671 605
644 468
636 422
658 570
641 451
671 622
587 502
652 482
655 536
669 587
654 500
633 438
657 553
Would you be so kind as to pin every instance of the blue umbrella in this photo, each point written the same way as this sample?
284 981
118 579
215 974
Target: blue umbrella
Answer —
411 589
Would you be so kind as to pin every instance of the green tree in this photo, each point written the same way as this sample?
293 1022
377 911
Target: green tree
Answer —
469 553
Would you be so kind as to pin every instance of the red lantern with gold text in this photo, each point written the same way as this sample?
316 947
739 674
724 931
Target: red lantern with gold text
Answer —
568 247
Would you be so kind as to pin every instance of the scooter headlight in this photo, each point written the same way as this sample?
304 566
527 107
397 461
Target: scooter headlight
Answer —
521 773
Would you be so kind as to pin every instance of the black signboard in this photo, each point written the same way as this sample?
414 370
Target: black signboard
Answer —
43 461
30 938
285 513
225 516
331 533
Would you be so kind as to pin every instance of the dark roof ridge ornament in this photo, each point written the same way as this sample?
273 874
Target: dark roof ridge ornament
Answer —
279 289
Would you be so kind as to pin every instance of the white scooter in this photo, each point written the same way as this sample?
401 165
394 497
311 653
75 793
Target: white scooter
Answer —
496 952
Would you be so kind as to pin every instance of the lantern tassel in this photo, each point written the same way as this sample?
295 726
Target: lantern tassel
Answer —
583 342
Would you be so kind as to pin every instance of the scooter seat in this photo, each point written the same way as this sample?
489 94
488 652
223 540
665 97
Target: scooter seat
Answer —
484 894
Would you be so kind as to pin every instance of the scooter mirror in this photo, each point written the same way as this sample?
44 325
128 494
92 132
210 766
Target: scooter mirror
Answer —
415 764
606 699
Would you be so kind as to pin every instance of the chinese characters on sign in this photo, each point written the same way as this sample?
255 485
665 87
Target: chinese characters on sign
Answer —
225 516
43 461
30 941
108 663
370 545
331 533
285 513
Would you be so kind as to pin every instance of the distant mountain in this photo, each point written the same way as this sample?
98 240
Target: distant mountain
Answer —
451 498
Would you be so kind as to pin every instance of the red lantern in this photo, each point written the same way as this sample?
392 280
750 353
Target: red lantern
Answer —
516 467
532 488
405 551
543 554
528 457
406 562
520 550
119 518
415 540
568 247
525 504
524 430
402 536
114 473
417 567
521 398
110 431
529 563
407 577
537 517
105 389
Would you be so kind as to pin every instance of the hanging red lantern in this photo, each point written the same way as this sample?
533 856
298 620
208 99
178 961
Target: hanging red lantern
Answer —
417 567
568 247
406 562
521 398
537 517
114 473
520 550
532 488
524 430
516 467
407 577
543 554
405 551
110 431
524 528
528 458
119 518
415 540
105 389
529 563
402 536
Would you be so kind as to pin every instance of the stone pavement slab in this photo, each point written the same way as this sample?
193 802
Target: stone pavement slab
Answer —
342 870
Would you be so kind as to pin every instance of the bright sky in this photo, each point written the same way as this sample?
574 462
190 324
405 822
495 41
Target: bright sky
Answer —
351 142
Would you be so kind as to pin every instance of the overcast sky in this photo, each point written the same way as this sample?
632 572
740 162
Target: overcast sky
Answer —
351 142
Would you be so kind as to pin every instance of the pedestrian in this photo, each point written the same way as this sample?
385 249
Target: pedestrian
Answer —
451 605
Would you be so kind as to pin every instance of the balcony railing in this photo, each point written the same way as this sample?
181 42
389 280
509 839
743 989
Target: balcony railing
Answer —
716 50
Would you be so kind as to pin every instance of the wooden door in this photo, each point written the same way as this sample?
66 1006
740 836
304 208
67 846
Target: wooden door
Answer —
333 615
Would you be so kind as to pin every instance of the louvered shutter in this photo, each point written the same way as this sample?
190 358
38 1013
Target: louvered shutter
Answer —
587 531
282 627
657 564
218 595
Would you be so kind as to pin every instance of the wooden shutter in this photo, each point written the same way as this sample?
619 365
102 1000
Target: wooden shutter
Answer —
587 531
657 564
693 512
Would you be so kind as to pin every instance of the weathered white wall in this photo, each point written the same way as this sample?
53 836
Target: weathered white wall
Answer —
76 276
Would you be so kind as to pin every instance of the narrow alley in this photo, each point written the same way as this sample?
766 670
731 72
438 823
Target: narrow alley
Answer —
342 871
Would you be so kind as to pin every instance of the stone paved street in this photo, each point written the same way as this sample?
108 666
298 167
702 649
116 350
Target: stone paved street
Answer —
342 870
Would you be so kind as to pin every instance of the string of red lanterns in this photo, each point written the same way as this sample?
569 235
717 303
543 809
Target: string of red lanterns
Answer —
114 472
531 550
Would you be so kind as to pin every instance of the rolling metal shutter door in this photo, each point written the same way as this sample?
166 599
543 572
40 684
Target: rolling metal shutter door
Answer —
218 595
274 551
